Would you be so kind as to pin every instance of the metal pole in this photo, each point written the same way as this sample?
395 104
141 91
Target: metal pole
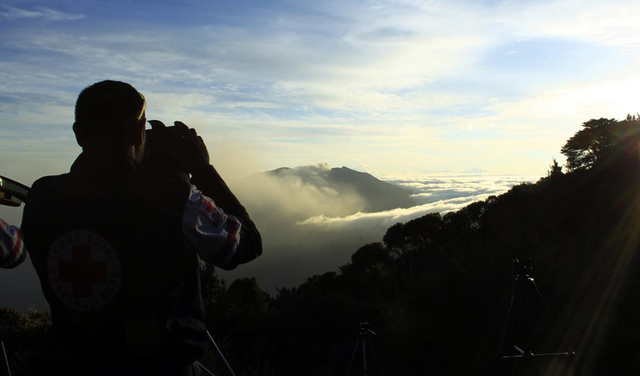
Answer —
205 369
4 354
364 356
220 353
353 356
375 357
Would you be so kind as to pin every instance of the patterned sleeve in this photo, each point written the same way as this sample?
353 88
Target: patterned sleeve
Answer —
209 231
12 252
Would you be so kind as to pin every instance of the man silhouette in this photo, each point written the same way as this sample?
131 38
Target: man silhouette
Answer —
117 248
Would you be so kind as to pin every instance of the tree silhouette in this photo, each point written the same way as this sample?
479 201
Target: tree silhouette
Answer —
589 144
555 169
602 142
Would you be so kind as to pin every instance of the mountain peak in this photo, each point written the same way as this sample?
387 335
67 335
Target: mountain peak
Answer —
377 194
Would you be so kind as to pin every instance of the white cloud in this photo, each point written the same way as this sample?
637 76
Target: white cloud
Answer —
608 23
564 106
363 167
380 221
12 13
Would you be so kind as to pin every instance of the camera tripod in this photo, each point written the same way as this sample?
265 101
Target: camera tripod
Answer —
362 343
524 282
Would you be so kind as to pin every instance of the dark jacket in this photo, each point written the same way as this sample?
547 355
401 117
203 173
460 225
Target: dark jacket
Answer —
117 251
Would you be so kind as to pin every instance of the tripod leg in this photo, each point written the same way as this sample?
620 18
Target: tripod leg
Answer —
220 353
506 323
353 356
205 369
375 357
544 304
574 359
364 356
6 367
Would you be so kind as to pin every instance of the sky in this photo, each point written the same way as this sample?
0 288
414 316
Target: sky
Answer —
392 87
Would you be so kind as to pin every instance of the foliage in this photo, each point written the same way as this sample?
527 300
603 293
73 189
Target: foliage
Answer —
24 335
555 170
601 141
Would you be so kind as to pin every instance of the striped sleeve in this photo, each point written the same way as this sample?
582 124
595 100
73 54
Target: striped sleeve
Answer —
12 251
209 231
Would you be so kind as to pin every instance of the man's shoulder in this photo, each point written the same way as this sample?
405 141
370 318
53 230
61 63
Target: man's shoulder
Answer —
49 179
47 185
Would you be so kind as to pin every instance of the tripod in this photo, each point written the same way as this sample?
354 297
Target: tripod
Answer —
524 281
362 343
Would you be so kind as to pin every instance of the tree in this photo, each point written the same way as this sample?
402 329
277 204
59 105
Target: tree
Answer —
245 296
555 170
604 142
590 144
212 287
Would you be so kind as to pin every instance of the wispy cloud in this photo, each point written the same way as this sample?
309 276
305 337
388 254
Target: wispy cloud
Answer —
612 23
12 13
383 220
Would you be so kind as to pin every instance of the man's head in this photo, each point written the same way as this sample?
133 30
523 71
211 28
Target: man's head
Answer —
110 115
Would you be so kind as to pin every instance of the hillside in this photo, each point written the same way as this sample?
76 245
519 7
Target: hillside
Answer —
438 289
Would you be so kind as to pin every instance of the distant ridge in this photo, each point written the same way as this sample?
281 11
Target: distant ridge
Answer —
377 194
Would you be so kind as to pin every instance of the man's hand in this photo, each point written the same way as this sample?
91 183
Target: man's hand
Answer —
186 150
192 151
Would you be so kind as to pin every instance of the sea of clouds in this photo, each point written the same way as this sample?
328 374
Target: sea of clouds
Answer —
443 193
302 238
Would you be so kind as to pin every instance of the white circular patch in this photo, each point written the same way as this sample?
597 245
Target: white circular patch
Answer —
84 270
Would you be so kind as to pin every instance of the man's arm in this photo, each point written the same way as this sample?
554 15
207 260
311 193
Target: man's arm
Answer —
215 223
12 251
209 182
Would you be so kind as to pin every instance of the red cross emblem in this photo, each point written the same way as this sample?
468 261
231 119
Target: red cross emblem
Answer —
84 270
81 271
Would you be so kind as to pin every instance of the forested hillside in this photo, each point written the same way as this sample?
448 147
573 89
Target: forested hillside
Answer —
437 290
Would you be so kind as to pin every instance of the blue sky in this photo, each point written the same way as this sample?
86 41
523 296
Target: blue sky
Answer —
398 86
